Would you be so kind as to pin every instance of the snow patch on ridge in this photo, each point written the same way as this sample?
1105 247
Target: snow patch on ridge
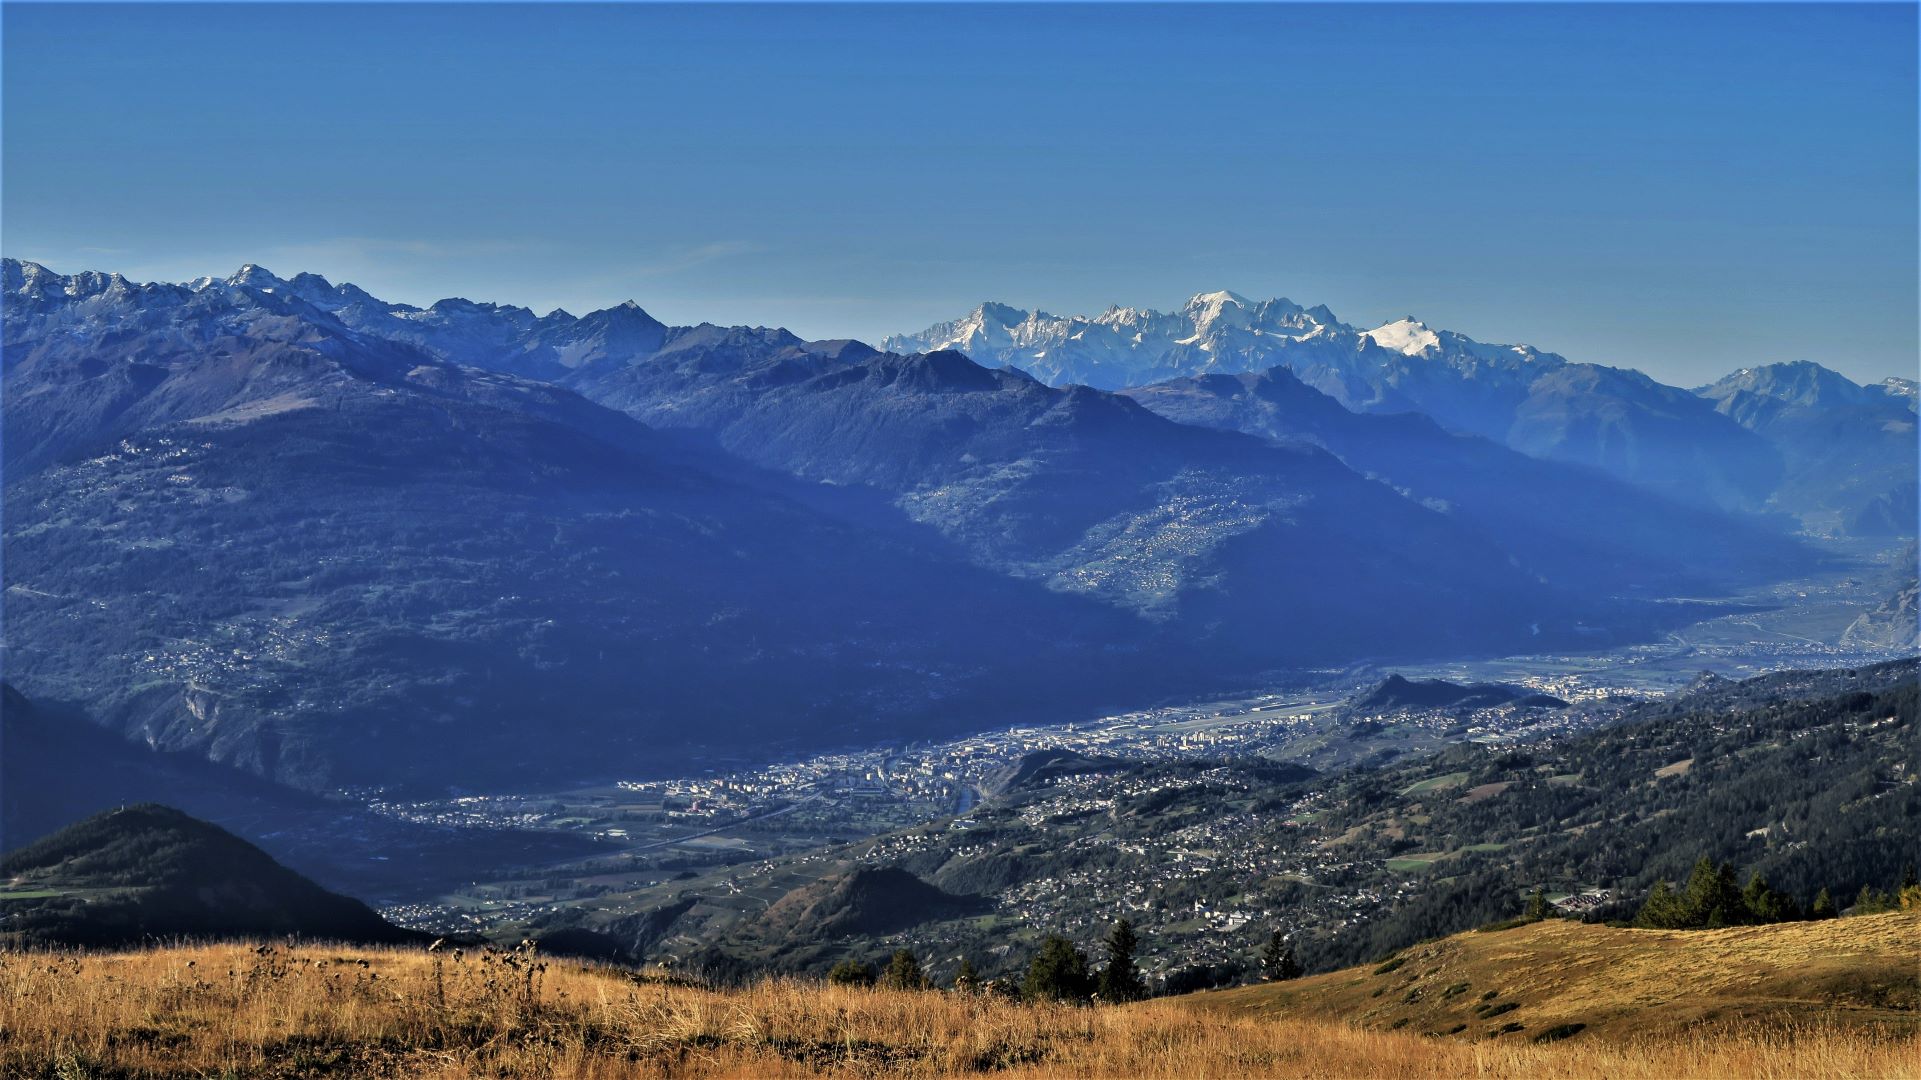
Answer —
1408 336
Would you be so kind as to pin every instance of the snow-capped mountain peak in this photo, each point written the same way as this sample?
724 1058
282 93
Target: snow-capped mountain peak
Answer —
1214 301
1005 315
1223 332
1208 311
1407 335
254 276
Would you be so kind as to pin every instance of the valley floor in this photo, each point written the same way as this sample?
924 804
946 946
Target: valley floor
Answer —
321 1011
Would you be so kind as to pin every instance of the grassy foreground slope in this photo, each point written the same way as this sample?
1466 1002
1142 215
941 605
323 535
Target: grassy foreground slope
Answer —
1558 979
320 1011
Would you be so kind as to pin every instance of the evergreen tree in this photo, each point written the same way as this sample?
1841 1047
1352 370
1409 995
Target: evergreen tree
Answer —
1763 905
1058 973
1713 898
1272 955
1823 905
965 979
1537 906
851 973
1872 902
1277 958
1664 909
1120 980
903 972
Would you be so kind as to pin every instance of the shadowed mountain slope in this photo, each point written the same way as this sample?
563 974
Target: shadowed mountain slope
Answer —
1566 522
1396 692
244 529
1850 451
147 871
868 900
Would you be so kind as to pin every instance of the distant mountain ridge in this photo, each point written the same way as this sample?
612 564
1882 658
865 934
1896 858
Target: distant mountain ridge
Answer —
333 540
996 463
241 527
1617 419
1849 451
1563 521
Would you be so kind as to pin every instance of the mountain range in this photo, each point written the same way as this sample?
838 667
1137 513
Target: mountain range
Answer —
236 526
337 541
1721 446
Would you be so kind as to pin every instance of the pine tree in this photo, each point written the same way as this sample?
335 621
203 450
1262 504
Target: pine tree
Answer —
1271 954
1537 905
1872 902
1664 909
1823 905
903 972
1120 980
1058 973
965 980
1277 959
851 973
1713 898
1763 904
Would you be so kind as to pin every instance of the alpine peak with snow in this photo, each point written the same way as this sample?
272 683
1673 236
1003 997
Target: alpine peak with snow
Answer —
1724 445
1214 332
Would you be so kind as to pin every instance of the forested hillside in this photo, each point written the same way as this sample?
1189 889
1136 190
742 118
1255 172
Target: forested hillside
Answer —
1808 778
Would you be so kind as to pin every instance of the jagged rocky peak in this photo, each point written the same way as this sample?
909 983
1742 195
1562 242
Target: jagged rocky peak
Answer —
625 313
33 280
1005 314
255 276
1896 387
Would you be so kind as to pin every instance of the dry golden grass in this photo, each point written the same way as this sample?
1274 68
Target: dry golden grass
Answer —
330 1012
1861 974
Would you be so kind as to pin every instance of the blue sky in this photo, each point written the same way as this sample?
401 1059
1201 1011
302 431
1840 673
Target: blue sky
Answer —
1681 189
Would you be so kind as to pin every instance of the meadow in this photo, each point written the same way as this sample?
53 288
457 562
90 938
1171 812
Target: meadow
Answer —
323 1011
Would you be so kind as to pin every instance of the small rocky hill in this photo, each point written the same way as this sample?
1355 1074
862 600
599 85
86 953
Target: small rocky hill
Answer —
146 872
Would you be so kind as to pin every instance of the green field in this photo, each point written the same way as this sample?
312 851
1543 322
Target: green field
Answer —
1435 783
1426 860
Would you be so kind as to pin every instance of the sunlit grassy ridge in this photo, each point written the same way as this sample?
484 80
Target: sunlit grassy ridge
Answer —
1862 973
320 1011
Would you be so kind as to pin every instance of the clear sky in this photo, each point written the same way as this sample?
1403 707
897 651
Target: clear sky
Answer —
1681 189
